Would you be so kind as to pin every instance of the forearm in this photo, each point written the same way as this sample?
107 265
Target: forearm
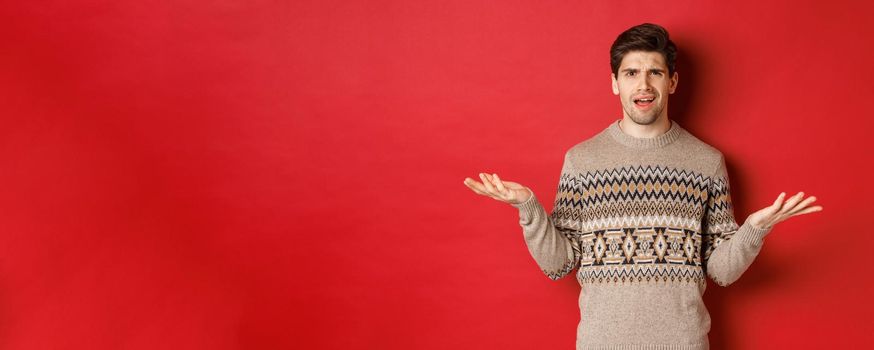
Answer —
731 258
551 249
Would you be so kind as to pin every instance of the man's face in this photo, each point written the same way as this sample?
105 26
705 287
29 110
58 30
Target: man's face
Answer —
643 86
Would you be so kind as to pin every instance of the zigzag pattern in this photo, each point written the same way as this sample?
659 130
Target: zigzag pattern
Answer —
635 183
570 264
603 222
720 225
642 223
653 195
646 273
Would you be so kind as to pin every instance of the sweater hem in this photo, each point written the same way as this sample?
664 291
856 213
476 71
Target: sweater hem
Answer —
697 346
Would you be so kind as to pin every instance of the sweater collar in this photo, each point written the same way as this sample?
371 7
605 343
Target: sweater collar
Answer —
644 142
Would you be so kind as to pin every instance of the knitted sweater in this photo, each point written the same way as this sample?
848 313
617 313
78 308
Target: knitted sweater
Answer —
643 220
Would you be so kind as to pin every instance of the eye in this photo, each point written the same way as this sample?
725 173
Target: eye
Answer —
629 73
656 73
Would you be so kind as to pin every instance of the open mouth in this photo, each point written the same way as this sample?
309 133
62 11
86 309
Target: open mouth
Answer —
644 102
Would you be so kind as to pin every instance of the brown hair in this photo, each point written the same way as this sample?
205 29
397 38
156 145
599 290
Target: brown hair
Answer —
643 37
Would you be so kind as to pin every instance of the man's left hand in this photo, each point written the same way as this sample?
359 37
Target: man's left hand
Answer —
780 210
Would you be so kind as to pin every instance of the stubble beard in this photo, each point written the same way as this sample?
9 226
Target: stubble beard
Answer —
643 118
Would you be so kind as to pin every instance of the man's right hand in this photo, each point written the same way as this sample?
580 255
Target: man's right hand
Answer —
504 191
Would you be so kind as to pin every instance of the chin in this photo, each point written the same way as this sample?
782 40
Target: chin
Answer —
645 120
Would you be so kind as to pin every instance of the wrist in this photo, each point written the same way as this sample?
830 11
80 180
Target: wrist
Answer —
525 198
758 225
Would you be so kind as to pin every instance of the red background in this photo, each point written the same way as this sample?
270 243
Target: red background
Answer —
264 174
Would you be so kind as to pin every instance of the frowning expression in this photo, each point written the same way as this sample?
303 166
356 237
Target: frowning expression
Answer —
643 86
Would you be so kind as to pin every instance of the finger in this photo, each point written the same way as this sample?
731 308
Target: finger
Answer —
475 186
802 205
779 201
488 183
480 192
809 210
499 194
510 184
499 184
790 203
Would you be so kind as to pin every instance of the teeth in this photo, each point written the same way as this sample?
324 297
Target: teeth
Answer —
645 100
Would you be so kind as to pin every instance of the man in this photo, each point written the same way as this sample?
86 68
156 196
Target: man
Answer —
643 212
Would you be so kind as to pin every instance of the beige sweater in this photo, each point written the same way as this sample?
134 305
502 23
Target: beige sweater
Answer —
643 220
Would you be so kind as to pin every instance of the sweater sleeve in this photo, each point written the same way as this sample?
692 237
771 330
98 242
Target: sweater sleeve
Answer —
728 249
555 249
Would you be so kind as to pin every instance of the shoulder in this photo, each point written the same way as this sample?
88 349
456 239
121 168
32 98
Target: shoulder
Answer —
703 153
592 145
582 147
585 152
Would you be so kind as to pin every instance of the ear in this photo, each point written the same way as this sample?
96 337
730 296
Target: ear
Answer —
674 80
615 84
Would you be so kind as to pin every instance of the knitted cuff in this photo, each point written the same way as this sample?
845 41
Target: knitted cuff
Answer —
529 208
752 235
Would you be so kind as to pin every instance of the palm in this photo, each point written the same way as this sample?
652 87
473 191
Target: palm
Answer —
517 191
780 210
501 190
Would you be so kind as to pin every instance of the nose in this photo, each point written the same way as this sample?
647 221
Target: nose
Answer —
645 84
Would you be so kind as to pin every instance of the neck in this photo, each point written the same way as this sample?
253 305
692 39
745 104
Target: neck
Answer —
665 138
660 126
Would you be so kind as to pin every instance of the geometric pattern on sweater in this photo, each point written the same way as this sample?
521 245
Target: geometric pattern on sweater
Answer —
641 273
647 245
603 199
647 219
719 220
640 254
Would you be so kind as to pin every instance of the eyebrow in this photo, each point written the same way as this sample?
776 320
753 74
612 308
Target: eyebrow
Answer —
637 70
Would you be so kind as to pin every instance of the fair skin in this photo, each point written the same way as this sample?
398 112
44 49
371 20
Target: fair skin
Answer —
643 76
